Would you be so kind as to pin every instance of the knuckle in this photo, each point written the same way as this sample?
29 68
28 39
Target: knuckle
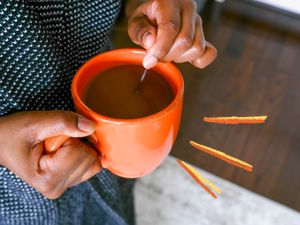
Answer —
198 50
185 43
45 186
171 27
66 116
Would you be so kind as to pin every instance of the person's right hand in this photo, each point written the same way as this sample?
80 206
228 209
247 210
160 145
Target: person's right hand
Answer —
170 31
22 150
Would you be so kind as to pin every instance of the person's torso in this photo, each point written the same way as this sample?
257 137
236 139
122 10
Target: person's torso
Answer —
43 43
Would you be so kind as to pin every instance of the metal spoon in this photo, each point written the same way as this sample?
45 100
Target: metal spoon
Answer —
141 81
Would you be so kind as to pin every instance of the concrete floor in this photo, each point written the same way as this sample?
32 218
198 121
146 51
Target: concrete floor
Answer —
168 196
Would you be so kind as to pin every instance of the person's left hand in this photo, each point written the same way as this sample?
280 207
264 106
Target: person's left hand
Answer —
169 30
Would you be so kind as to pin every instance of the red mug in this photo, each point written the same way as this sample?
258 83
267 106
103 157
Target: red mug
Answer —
129 148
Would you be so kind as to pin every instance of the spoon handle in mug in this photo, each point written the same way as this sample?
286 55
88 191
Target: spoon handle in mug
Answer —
54 143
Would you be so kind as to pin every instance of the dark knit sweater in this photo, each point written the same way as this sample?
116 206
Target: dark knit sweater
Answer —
42 44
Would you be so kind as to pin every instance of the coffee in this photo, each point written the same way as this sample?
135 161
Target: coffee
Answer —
114 93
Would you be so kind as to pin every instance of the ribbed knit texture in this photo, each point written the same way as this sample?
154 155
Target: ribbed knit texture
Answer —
42 44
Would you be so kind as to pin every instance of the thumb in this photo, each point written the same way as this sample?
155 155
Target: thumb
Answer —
54 123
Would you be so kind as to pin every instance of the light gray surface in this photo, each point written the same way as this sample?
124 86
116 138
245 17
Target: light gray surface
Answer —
168 196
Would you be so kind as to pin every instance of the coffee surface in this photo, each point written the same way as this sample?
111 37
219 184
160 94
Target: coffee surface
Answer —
114 93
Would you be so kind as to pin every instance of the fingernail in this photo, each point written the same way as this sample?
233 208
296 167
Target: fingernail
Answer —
85 125
149 62
147 40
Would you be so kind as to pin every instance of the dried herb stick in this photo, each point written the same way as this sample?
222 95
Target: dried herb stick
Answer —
199 179
221 155
236 119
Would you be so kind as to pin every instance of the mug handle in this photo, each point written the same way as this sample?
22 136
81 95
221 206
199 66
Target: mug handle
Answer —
54 143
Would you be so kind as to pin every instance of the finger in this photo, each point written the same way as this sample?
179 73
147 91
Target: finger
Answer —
95 168
198 47
168 21
52 123
207 58
141 31
65 167
67 158
89 161
186 37
53 143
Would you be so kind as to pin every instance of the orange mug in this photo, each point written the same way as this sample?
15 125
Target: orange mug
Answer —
129 148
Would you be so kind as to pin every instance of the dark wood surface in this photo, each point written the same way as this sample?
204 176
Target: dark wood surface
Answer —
257 72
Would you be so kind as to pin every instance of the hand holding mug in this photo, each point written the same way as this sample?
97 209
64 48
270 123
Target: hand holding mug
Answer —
22 150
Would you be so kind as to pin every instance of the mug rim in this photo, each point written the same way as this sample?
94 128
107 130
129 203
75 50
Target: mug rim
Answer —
81 106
